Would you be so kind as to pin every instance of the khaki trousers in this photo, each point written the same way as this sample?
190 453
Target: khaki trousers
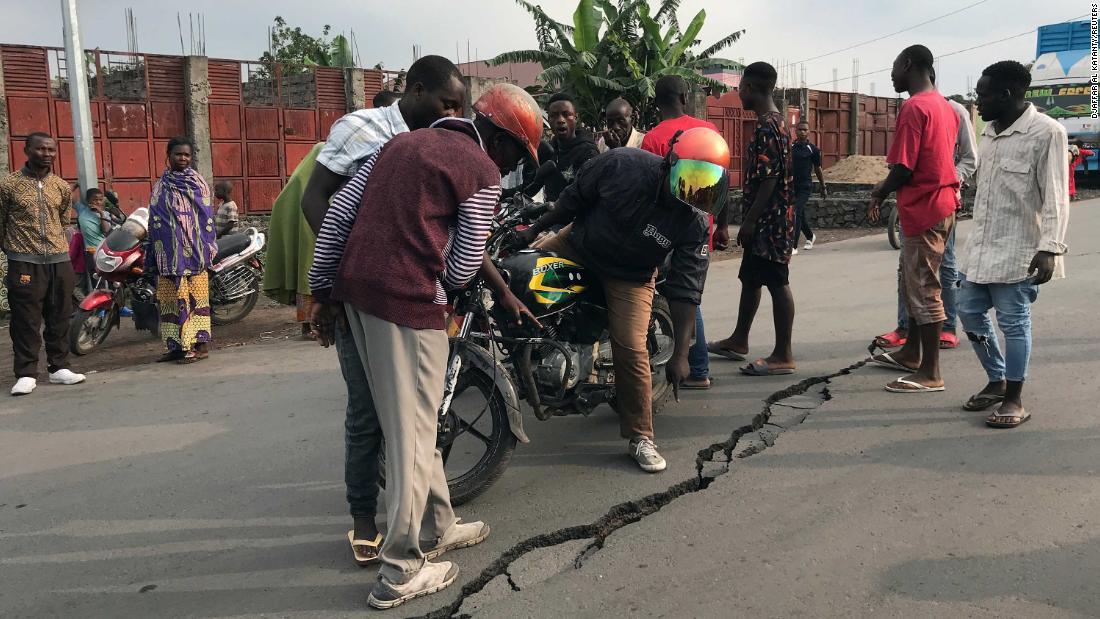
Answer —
629 306
406 369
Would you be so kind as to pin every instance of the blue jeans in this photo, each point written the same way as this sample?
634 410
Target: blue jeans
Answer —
698 357
362 432
949 277
1013 305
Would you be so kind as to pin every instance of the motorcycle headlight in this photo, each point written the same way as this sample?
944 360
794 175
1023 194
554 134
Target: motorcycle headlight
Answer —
107 263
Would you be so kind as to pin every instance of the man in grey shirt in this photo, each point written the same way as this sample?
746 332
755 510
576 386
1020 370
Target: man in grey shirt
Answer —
966 162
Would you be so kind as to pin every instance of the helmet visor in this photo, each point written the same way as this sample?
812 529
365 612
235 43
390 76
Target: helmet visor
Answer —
700 184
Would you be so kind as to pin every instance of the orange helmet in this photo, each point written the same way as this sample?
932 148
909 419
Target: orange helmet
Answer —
514 110
698 176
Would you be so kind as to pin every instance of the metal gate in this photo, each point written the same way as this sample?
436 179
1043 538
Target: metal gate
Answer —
137 104
264 119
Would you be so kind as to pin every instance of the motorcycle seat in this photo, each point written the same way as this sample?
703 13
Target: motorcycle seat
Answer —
231 244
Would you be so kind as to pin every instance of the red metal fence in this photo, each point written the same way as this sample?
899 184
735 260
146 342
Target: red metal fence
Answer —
264 118
137 105
829 116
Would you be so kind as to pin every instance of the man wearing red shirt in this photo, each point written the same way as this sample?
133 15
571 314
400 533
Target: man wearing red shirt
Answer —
922 171
670 95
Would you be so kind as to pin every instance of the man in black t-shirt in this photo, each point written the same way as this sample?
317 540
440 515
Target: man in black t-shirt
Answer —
805 158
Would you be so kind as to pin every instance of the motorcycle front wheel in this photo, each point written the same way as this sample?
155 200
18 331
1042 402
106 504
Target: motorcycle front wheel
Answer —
88 329
476 440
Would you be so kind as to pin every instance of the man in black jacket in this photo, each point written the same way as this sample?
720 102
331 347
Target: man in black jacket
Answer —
627 210
571 149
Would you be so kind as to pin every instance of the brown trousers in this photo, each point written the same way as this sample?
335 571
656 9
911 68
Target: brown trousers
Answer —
629 306
921 257
40 293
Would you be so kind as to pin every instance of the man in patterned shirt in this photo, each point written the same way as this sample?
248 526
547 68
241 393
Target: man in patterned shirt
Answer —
35 207
767 228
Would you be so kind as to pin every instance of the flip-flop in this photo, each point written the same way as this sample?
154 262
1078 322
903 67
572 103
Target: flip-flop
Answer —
890 340
698 387
982 401
715 349
887 361
1019 420
760 367
361 558
914 387
949 341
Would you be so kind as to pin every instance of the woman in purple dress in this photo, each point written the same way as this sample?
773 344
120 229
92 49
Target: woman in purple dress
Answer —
181 241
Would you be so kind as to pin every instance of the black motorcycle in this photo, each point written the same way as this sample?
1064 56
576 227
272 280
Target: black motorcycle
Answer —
563 369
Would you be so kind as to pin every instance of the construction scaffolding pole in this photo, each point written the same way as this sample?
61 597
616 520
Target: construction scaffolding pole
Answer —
79 100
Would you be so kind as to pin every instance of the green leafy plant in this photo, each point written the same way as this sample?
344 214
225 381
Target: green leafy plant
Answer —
292 46
619 48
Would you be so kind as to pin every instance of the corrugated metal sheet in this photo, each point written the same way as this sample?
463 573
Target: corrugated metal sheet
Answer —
372 81
330 87
225 81
166 78
25 69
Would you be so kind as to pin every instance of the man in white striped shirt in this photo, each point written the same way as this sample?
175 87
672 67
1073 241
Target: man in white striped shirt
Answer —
434 90
1020 217
419 228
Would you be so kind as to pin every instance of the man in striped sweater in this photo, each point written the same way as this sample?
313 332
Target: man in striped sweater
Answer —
418 230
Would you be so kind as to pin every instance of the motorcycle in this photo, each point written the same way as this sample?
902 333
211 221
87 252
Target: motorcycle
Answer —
124 282
563 369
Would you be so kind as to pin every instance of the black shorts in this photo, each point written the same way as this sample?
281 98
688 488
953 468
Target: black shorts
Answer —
757 272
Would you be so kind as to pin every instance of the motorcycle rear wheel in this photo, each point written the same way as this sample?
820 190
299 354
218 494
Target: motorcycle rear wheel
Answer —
88 329
236 311
499 442
893 229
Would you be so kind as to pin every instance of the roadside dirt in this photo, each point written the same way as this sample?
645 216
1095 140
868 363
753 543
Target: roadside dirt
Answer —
857 169
268 323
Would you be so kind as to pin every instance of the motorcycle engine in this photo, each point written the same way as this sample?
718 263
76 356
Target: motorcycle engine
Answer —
144 291
551 373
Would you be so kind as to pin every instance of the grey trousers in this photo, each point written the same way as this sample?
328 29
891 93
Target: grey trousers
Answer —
406 369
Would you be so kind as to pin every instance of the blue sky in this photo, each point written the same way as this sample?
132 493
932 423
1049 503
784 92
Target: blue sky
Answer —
777 30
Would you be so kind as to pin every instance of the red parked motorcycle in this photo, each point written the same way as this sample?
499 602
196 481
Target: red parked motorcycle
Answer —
124 283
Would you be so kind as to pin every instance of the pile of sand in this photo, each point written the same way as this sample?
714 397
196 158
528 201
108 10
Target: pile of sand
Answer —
857 169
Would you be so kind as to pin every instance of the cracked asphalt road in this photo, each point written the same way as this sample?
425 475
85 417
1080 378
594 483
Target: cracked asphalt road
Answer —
220 495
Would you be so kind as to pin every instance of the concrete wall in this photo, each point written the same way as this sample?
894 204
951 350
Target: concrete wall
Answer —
196 107
5 133
355 89
475 87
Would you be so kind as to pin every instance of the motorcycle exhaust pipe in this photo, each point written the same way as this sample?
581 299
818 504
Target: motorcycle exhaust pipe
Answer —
528 375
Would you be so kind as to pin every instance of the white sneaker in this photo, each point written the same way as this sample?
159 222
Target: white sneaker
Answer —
24 386
645 454
431 578
66 377
794 252
460 535
810 242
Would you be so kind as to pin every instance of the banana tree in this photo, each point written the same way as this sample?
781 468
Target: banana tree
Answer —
617 49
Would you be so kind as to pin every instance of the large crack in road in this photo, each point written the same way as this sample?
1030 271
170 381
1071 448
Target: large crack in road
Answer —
707 469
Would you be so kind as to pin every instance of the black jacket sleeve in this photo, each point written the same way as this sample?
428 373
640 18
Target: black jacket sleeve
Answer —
687 268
